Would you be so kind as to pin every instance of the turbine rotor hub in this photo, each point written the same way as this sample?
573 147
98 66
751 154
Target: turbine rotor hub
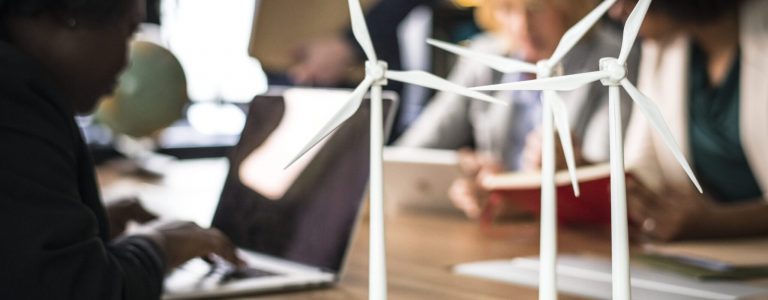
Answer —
377 71
616 71
543 70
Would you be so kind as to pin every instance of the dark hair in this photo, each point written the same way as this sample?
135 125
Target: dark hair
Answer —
92 10
695 11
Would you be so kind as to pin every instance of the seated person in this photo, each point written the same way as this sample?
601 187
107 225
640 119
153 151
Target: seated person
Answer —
528 31
703 64
325 61
56 59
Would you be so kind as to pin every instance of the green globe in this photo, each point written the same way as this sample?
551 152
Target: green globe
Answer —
150 94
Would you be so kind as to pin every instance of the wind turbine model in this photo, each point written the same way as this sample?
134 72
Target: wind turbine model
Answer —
613 73
376 77
553 107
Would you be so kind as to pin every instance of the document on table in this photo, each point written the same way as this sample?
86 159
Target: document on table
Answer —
588 276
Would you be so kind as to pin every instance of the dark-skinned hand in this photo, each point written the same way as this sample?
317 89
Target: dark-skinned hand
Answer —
121 212
182 241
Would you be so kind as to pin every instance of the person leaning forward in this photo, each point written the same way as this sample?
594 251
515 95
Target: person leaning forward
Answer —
56 59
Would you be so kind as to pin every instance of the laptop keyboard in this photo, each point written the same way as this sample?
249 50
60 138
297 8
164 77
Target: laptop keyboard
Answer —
243 273
222 271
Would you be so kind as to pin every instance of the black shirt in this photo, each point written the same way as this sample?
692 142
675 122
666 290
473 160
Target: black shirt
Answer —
53 227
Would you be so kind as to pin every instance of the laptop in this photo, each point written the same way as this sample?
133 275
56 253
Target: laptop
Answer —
292 226
419 179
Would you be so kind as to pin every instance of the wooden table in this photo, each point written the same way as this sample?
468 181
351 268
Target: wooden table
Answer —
421 246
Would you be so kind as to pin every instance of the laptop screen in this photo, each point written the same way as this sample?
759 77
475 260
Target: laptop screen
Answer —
307 212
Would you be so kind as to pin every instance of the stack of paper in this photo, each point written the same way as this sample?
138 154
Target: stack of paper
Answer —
715 259
591 277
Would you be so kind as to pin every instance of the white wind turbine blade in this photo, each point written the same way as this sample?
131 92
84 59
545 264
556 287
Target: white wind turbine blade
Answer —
575 33
496 62
360 29
632 28
560 113
340 117
656 119
428 80
560 83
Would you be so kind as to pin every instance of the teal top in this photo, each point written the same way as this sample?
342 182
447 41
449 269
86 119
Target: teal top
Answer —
715 142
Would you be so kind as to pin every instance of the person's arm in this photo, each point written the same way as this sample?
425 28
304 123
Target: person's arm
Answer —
670 215
640 152
532 152
466 192
745 219
445 123
123 211
53 247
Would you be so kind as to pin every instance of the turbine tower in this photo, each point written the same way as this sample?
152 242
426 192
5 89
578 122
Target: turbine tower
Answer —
554 116
376 77
613 74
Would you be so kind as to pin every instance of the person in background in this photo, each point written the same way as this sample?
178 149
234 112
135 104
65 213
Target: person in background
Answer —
703 63
56 59
505 138
153 12
325 62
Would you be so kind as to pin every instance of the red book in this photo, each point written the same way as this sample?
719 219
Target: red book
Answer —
523 192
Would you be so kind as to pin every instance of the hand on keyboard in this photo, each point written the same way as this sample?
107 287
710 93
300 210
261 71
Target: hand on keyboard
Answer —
226 271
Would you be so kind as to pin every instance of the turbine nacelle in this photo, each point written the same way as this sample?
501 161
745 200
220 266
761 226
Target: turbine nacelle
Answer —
614 70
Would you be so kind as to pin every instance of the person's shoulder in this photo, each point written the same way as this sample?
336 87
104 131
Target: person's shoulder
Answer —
757 9
754 18
38 149
23 106
605 41
37 134
28 112
487 43
25 95
468 71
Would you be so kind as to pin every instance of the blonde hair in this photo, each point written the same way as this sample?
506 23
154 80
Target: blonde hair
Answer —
574 10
